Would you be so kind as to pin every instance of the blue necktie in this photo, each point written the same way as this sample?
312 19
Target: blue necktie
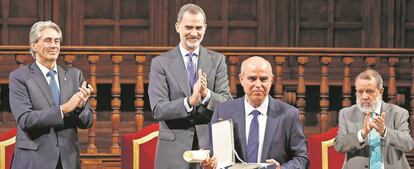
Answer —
191 74
374 140
253 140
53 86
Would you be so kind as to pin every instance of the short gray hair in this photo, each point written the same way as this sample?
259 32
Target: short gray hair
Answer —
191 8
368 75
38 27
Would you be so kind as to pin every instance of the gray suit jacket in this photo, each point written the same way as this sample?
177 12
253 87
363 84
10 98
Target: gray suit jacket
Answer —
284 140
167 89
42 134
395 143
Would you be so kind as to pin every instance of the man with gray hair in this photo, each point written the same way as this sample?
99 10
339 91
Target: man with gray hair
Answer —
49 103
373 133
186 83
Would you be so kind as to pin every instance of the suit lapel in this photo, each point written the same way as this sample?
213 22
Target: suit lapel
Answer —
272 123
179 72
240 119
204 62
41 82
63 85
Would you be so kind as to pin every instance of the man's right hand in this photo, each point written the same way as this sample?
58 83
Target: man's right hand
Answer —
367 126
209 163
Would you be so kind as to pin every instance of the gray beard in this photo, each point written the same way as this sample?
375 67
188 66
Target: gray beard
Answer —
372 107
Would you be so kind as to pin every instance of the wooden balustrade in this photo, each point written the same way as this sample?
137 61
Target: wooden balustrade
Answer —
294 70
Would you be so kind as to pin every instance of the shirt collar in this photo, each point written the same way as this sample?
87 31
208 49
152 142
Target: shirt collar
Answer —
44 69
262 108
184 51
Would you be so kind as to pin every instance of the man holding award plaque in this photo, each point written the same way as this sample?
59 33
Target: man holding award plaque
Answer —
265 130
373 133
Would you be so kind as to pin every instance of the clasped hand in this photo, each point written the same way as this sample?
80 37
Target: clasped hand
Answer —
200 89
79 99
376 123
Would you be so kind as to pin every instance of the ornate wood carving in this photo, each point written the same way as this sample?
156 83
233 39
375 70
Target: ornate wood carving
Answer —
278 89
139 92
233 79
116 104
324 94
301 90
93 102
392 86
346 87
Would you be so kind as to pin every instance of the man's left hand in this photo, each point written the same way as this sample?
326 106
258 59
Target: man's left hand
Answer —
272 161
202 78
379 124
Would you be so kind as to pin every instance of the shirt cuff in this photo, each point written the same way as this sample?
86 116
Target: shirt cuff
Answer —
207 98
360 138
187 107
61 112
385 133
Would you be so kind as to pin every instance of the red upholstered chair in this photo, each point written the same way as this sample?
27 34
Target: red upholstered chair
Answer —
7 141
138 149
322 154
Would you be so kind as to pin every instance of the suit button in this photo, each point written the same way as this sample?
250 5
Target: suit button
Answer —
366 166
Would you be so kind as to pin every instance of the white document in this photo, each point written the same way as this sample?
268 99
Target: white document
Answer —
223 142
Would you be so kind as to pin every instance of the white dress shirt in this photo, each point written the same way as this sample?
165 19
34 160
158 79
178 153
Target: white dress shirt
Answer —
262 118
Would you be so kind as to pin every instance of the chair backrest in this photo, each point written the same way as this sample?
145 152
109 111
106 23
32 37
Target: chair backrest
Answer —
138 149
7 142
322 154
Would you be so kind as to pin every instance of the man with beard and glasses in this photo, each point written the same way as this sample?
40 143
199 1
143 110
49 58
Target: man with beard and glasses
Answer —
186 83
373 133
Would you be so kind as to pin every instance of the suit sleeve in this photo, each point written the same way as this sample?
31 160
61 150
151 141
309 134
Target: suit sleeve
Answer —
26 117
297 145
84 116
344 141
221 91
162 107
399 137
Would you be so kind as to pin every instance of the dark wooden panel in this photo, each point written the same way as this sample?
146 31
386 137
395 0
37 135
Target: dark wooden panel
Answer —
212 8
348 10
347 38
99 35
313 10
409 38
242 37
103 9
213 37
312 38
134 36
19 34
24 9
243 10
135 9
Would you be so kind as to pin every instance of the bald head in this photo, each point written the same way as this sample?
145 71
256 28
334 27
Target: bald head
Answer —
255 61
256 77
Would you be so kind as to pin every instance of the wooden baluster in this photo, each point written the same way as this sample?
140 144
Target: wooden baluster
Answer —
69 60
346 88
301 90
392 84
370 61
20 60
139 93
324 94
93 59
233 79
1 110
116 104
278 89
412 99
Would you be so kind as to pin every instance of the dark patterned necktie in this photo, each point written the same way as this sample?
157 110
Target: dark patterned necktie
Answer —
191 73
53 86
253 139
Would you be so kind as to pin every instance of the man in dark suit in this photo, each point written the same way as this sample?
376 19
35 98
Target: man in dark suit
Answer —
373 133
48 103
183 99
265 129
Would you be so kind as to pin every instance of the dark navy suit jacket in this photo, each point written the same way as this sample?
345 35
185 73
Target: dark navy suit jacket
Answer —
284 139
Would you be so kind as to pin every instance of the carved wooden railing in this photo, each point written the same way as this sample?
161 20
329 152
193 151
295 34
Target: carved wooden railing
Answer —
294 70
